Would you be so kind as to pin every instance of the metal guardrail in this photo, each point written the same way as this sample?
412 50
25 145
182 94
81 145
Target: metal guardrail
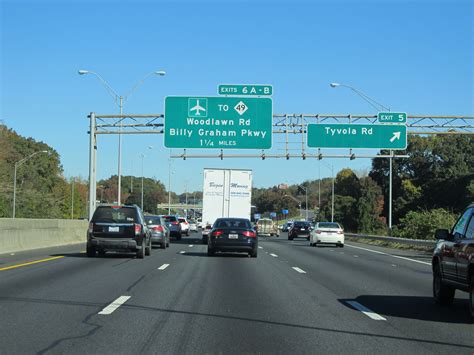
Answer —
416 242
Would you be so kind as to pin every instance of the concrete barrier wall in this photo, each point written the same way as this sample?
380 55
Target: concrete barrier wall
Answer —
23 234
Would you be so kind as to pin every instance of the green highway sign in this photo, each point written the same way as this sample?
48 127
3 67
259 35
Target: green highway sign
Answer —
218 122
357 136
245 90
392 117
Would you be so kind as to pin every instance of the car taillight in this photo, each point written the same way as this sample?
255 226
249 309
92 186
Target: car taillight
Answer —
249 234
91 227
158 228
174 223
138 229
217 233
318 231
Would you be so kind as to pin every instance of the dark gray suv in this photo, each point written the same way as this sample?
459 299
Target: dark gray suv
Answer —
453 260
118 228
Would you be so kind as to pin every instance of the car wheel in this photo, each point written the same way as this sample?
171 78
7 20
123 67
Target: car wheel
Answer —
163 245
254 253
90 252
307 238
187 233
471 296
340 245
210 252
311 244
141 252
178 237
148 249
101 252
442 294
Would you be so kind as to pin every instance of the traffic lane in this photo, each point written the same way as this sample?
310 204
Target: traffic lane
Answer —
235 304
35 255
395 292
55 300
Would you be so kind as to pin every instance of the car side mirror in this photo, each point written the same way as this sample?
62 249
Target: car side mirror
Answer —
442 234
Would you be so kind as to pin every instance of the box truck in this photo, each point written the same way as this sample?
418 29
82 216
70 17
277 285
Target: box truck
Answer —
226 193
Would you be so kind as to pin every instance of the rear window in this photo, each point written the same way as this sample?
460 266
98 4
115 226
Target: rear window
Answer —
181 219
150 220
170 218
232 223
328 225
301 224
115 215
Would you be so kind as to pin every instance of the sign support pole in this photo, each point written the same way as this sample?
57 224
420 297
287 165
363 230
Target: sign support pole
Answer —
92 164
390 194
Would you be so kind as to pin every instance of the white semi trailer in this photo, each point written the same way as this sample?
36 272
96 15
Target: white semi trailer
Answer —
226 193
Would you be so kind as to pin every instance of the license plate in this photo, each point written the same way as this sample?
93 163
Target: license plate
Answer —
233 236
302 229
114 229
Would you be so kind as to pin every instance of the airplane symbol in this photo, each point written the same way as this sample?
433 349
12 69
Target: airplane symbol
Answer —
198 108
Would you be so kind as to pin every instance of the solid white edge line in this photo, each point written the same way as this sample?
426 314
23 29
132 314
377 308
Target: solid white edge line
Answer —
191 245
182 252
298 270
114 305
393 256
260 247
164 266
274 255
365 310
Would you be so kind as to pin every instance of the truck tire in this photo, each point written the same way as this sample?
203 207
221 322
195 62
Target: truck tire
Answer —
442 294
90 251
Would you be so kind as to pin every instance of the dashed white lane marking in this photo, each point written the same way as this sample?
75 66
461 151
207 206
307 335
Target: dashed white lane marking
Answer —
182 252
394 265
274 255
365 310
356 256
260 247
114 305
393 256
299 270
164 266
190 245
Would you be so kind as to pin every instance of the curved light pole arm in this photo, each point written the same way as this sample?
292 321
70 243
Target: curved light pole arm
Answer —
137 85
109 89
367 98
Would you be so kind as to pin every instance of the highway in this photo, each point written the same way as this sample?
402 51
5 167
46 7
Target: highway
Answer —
293 298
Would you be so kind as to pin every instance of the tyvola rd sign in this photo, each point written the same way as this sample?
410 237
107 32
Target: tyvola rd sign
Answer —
357 136
218 122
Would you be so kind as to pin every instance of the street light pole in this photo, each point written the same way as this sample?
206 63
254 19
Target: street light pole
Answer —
169 186
143 156
120 100
17 164
377 105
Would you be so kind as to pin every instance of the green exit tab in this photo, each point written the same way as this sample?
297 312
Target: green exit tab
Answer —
392 117
245 90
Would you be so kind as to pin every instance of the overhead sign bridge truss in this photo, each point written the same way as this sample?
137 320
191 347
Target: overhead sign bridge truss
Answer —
289 130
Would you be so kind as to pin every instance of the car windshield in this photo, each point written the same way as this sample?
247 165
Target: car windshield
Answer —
152 220
233 223
115 215
328 225
170 218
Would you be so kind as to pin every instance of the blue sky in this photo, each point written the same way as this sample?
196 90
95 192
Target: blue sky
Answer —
413 56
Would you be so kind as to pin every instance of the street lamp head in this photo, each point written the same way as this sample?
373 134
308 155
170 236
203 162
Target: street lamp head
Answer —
83 72
44 151
160 73
334 85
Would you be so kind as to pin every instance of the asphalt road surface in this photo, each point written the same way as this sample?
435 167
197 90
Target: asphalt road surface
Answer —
292 299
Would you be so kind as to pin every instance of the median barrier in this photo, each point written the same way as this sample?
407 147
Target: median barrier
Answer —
18 234
414 242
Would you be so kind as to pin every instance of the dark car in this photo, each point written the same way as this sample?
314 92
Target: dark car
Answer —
299 229
232 235
453 261
159 232
174 226
286 227
118 228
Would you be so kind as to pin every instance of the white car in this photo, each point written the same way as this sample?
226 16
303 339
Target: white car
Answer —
184 225
327 233
192 226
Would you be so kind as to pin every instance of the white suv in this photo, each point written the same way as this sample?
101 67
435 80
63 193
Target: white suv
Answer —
184 225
